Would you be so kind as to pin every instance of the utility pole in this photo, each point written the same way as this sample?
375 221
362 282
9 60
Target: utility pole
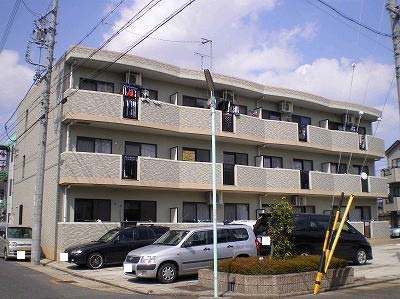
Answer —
49 42
394 13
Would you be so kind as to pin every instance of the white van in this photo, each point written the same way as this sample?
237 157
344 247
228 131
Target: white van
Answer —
185 251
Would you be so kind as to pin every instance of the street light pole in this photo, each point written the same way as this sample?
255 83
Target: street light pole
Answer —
213 103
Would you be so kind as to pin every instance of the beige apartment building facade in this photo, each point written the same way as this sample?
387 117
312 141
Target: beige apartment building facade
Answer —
130 141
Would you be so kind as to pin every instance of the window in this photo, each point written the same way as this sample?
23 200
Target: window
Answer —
230 160
140 149
361 213
94 85
194 102
196 212
194 154
273 162
273 115
136 210
23 166
236 211
239 234
199 238
306 165
242 109
319 223
153 94
394 191
126 236
93 145
142 233
342 168
92 210
396 163
26 119
304 209
20 214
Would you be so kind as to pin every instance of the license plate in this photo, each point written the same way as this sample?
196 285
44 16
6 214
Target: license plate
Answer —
20 255
64 257
128 268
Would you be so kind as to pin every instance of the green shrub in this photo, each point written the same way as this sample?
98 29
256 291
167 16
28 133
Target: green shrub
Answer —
254 266
280 229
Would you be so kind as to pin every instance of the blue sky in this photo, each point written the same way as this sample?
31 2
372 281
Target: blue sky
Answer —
288 43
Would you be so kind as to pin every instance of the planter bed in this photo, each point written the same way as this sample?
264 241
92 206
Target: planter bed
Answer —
276 285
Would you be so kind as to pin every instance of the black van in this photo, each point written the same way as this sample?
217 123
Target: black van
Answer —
309 234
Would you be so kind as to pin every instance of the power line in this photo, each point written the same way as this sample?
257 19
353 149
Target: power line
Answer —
70 50
348 25
101 70
353 20
35 14
10 22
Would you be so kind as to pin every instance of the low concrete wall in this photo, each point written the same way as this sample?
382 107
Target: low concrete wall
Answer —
276 285
379 229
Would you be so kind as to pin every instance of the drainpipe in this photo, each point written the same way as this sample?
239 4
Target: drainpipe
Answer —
65 203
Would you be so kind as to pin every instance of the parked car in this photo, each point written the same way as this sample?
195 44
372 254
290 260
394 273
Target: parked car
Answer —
13 239
185 251
309 234
113 247
395 232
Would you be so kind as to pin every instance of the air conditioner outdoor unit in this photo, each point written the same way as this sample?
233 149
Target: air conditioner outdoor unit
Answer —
286 107
133 78
349 119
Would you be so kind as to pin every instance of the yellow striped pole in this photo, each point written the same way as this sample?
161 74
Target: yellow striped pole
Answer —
337 236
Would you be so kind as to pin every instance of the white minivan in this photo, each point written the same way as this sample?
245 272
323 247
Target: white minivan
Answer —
14 238
185 251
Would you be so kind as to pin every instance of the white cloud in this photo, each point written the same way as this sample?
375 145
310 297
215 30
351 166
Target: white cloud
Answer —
243 47
16 79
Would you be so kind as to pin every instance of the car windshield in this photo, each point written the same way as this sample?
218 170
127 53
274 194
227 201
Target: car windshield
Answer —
172 237
109 235
19 233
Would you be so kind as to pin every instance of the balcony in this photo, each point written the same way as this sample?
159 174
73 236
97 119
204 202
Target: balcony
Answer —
109 108
109 169
392 174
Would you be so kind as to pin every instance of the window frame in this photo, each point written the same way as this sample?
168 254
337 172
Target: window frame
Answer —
185 97
271 158
140 144
236 210
196 154
140 208
94 144
269 113
196 220
93 205
81 84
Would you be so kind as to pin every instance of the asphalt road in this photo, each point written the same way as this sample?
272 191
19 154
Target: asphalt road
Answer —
17 281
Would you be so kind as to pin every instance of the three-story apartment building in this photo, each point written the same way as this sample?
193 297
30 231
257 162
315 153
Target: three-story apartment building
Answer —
392 174
130 141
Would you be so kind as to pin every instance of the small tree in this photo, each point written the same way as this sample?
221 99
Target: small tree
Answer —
281 228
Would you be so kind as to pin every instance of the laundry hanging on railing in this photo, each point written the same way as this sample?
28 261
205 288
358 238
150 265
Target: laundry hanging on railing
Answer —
130 108
130 91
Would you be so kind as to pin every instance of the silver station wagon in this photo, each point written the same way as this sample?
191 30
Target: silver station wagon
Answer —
15 238
185 251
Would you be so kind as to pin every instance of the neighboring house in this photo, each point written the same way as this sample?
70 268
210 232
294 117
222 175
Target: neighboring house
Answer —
141 151
392 174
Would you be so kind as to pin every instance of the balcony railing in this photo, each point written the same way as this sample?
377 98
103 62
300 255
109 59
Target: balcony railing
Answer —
197 120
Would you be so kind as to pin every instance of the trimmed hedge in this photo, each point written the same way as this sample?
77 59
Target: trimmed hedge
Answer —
253 266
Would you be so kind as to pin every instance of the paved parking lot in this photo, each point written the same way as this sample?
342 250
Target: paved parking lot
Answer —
384 266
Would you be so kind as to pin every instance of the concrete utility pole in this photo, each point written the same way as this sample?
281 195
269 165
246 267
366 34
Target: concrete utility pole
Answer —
37 209
394 13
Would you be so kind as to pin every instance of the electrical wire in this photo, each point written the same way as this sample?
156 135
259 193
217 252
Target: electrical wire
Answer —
69 51
343 15
33 13
98 72
10 22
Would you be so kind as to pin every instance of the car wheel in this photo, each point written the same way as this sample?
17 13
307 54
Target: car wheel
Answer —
95 261
361 257
5 254
167 273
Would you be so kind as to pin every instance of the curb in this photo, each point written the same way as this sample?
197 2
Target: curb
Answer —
48 264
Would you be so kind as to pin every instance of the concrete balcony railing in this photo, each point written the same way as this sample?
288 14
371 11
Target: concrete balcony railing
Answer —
335 183
107 107
391 174
378 185
267 179
107 169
